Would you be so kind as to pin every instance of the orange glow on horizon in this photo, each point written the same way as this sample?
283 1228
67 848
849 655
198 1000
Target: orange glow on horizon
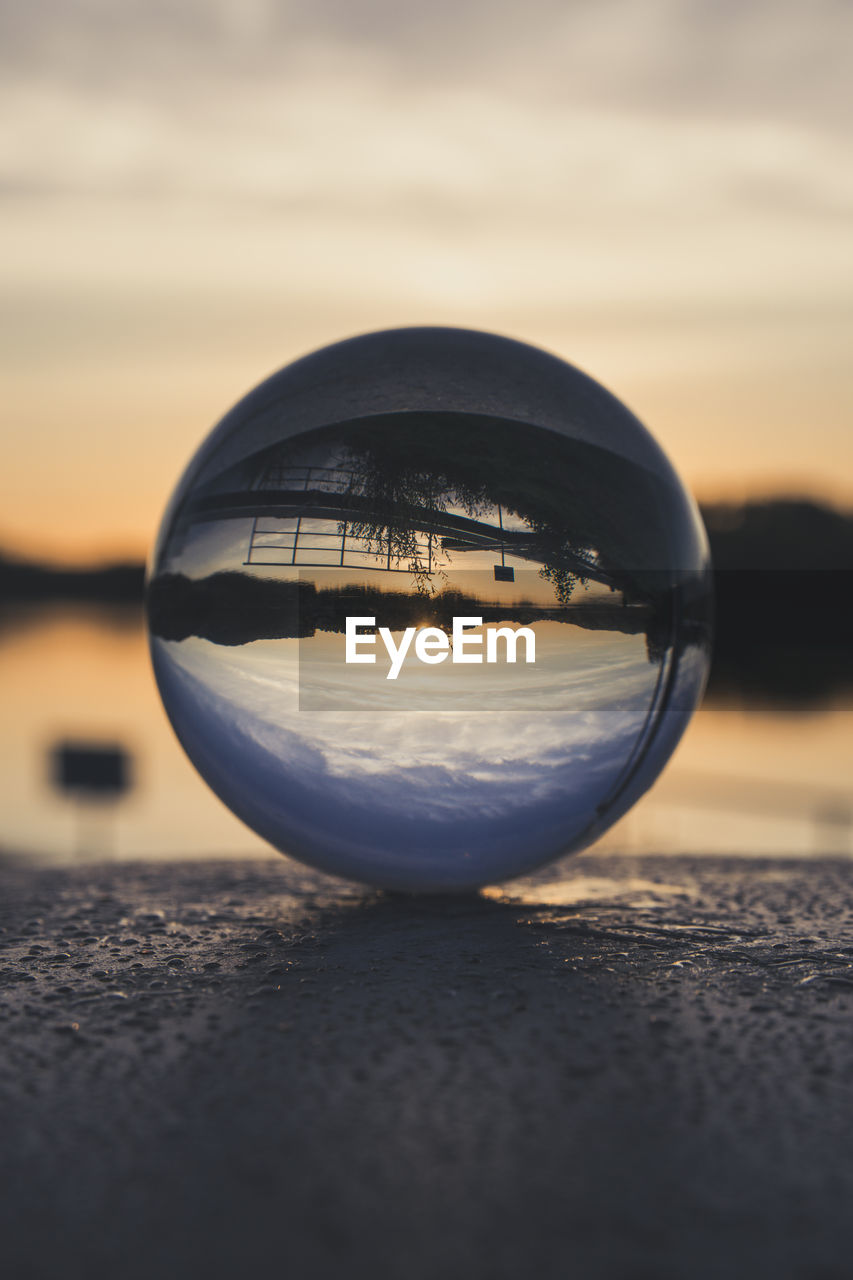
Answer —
175 233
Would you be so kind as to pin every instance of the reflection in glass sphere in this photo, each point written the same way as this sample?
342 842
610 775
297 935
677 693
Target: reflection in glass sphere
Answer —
353 559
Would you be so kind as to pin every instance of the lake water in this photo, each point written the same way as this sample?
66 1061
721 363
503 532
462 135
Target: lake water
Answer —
741 782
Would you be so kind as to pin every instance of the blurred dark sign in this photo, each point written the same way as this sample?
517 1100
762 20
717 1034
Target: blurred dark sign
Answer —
99 770
504 573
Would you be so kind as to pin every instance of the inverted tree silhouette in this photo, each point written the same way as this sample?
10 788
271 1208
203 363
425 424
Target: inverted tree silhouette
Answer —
585 513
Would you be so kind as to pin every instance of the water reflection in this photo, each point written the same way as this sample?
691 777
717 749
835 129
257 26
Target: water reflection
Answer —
741 782
302 511
75 672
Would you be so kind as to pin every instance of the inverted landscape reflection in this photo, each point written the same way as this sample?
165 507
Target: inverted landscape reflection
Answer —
450 775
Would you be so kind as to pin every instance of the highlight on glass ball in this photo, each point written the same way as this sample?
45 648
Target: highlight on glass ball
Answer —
429 608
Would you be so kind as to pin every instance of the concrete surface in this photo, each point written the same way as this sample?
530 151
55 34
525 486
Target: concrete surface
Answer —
620 1068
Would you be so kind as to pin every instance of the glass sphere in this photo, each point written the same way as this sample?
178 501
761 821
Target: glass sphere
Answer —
429 608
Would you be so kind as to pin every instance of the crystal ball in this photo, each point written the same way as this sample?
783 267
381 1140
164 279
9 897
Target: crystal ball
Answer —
428 608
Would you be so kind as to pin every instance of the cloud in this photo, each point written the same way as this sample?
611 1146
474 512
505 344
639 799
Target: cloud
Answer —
785 58
418 800
435 123
591 715
435 127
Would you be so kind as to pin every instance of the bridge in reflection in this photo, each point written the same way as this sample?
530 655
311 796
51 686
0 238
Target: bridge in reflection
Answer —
314 516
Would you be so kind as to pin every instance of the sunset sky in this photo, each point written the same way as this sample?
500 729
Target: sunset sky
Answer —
194 192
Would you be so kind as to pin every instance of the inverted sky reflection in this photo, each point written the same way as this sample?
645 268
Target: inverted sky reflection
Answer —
452 791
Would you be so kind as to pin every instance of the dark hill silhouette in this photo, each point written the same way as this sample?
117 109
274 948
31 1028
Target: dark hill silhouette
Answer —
783 577
23 580
783 534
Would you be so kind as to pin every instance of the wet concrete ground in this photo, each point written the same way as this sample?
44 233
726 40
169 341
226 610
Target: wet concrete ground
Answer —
620 1068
